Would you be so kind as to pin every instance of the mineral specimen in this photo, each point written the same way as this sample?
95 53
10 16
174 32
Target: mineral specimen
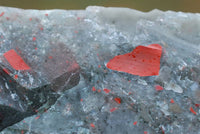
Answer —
44 53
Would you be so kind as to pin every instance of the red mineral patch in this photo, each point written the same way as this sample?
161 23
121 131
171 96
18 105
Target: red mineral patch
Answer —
93 89
192 110
135 123
172 101
113 109
142 61
106 90
2 14
118 100
15 60
92 125
158 87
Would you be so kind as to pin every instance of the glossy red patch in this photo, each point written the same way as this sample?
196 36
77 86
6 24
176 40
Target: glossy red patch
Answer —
15 60
158 87
142 61
113 109
172 101
118 100
93 89
192 110
92 125
106 90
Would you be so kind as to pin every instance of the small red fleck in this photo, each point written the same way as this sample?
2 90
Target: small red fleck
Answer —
113 109
34 38
75 31
10 81
30 19
99 90
92 125
67 61
106 90
15 60
99 66
129 93
78 18
24 121
192 110
97 54
118 100
81 100
36 110
2 14
158 87
50 57
41 29
145 132
36 48
37 117
7 18
16 76
46 14
93 89
172 101
22 132
10 105
6 70
135 123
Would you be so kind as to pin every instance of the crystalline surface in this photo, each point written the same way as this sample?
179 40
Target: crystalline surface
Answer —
60 45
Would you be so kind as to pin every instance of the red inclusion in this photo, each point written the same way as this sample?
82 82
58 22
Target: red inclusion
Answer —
142 61
158 87
15 60
106 90
118 100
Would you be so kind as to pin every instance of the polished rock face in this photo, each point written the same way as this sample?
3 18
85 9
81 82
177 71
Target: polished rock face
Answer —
57 82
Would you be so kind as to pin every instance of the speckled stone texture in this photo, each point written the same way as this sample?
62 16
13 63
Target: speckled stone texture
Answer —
69 89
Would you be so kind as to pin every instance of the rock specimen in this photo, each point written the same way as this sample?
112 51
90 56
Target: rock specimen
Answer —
44 53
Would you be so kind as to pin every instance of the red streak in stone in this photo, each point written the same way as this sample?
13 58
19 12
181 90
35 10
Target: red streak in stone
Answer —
106 90
37 117
118 100
22 132
192 110
2 14
113 109
99 90
6 70
81 100
135 123
142 61
158 87
145 132
15 60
